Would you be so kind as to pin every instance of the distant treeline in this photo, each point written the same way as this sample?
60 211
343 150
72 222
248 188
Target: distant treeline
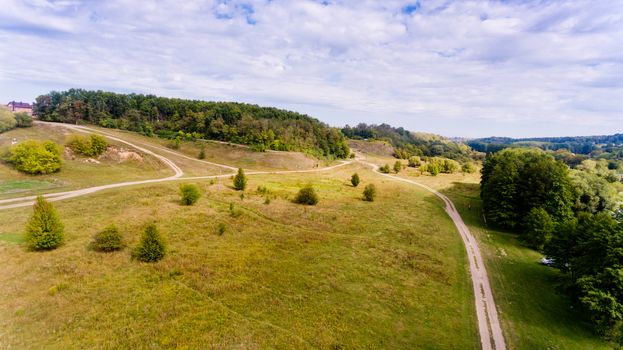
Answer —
606 146
260 127
407 143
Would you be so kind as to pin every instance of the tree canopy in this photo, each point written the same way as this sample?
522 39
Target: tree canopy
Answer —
261 127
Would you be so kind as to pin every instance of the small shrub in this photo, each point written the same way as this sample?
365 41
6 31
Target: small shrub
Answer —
91 146
23 120
468 168
384 169
175 143
44 230
221 229
352 156
369 193
240 180
397 166
233 211
151 248
306 195
414 162
433 169
202 153
189 193
263 190
107 240
355 180
267 200
34 157
7 120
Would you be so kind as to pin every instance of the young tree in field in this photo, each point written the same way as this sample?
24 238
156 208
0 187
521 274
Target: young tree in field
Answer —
240 180
107 240
369 193
202 153
433 169
190 194
397 166
44 230
151 247
538 227
355 180
306 195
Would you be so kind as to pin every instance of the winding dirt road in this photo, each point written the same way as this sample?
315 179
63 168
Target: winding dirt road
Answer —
488 323
491 336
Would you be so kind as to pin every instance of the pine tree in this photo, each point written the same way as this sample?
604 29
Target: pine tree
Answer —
44 230
152 247
369 193
240 180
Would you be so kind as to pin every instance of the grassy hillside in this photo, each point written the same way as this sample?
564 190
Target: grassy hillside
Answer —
281 276
75 173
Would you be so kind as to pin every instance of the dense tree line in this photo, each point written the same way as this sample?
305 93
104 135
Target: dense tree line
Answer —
571 215
606 146
407 143
261 127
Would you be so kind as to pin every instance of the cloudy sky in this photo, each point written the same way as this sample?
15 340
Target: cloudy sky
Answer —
457 68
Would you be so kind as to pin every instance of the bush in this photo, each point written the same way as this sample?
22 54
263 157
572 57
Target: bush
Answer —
433 169
175 143
202 153
23 120
369 193
91 146
108 240
307 195
221 229
397 166
384 169
151 247
468 168
240 180
7 120
34 157
44 230
414 162
190 194
355 180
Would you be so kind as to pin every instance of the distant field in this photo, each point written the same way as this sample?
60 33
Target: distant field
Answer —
345 274
534 314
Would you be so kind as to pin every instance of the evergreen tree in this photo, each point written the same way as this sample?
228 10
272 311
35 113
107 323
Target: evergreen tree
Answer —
397 166
307 195
240 180
151 247
369 193
189 193
44 230
355 180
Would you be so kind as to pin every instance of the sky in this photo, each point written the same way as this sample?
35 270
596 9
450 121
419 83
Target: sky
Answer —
455 68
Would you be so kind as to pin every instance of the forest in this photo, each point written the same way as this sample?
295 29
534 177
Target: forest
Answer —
407 144
605 146
574 216
260 127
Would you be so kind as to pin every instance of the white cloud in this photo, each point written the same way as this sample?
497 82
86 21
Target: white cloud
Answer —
467 68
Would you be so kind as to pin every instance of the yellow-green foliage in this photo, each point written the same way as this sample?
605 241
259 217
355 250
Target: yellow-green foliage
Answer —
7 120
44 230
35 157
91 146
189 193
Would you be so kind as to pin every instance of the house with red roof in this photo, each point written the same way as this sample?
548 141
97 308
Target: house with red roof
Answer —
20 107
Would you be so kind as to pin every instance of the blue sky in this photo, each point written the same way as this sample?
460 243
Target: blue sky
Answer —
457 68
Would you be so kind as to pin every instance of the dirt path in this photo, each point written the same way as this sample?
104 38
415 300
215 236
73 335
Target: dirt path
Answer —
178 172
488 323
486 312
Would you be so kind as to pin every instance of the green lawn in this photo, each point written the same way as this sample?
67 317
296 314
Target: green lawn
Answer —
345 274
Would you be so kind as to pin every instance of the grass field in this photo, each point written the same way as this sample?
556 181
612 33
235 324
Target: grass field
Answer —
334 276
534 314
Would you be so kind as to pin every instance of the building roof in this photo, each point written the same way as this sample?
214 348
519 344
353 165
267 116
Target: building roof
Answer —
19 104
